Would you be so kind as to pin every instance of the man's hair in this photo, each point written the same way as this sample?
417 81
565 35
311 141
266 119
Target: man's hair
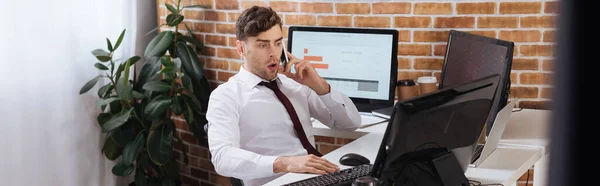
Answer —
255 20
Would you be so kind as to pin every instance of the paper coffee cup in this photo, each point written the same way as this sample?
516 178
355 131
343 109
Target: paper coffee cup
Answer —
427 84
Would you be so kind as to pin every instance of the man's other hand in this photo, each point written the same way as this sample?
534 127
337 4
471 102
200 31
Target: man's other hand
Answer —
304 164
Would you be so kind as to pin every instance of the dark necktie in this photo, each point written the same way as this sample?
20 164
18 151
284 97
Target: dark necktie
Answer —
290 109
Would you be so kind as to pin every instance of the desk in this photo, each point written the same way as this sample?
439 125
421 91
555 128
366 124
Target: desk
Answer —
505 165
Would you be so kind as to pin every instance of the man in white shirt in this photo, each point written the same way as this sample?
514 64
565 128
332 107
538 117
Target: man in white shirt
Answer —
259 124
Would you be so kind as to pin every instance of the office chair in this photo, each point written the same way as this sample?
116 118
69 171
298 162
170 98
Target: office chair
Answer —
234 181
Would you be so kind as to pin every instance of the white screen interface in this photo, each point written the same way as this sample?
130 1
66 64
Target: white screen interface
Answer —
356 64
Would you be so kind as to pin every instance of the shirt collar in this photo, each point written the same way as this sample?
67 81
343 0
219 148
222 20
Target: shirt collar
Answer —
250 79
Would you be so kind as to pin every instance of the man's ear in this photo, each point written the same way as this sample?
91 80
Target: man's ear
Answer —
239 45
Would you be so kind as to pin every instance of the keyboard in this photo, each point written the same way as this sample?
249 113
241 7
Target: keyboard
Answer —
477 153
339 178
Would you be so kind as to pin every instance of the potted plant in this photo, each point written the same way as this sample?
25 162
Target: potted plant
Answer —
136 115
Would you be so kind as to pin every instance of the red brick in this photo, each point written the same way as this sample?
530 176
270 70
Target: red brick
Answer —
497 22
454 22
412 22
352 8
535 78
233 16
551 7
311 7
204 27
247 4
226 28
549 36
220 180
525 64
325 139
404 63
325 149
216 40
414 49
412 74
538 22
309 20
204 2
391 8
536 50
520 7
439 50
403 35
217 64
430 36
227 4
284 6
193 14
523 92
433 8
546 93
224 76
476 8
428 63
334 21
521 35
362 21
215 16
228 53
547 65
235 66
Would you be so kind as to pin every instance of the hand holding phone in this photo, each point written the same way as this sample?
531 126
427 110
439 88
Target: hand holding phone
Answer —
284 58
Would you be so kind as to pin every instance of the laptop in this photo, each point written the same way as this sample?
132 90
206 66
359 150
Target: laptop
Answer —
482 151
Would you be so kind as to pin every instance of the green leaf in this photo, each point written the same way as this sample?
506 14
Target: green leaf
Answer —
193 41
148 72
124 91
159 44
140 177
104 90
160 143
188 113
154 29
103 58
177 65
168 182
165 70
157 86
175 106
171 8
115 107
122 169
108 100
116 120
123 134
157 107
175 20
133 148
189 30
89 85
100 66
166 61
109 45
126 79
187 82
111 150
198 6
190 63
103 118
133 60
100 52
119 72
137 95
120 39
171 170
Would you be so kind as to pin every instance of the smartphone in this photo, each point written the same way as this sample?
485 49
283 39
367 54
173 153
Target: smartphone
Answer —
284 58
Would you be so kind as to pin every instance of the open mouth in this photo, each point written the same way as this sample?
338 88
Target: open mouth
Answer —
273 66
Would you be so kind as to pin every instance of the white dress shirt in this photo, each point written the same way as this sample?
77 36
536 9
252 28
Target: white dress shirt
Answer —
248 127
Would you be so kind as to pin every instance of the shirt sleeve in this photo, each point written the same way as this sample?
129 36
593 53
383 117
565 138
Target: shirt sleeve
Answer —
334 110
224 141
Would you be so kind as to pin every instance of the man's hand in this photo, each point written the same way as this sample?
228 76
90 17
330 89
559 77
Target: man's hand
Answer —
306 75
304 164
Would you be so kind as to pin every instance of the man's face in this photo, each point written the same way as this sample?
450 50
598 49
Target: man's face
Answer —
262 53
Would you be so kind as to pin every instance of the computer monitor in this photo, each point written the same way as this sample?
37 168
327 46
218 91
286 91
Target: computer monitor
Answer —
451 117
361 63
470 56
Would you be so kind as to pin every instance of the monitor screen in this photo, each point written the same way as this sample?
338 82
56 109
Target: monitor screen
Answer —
470 56
449 118
361 63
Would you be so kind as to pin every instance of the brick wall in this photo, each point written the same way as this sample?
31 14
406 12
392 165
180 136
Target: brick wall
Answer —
423 28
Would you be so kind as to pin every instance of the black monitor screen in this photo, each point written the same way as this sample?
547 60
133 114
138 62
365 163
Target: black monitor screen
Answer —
450 118
469 57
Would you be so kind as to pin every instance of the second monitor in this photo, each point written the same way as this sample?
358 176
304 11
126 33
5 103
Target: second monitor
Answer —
361 63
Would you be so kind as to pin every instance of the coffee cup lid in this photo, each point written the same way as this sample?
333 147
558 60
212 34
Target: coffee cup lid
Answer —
427 79
405 82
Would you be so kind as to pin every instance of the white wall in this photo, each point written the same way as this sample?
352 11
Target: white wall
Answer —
48 132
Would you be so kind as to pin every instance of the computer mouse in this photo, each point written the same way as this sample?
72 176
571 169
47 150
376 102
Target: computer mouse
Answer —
353 159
